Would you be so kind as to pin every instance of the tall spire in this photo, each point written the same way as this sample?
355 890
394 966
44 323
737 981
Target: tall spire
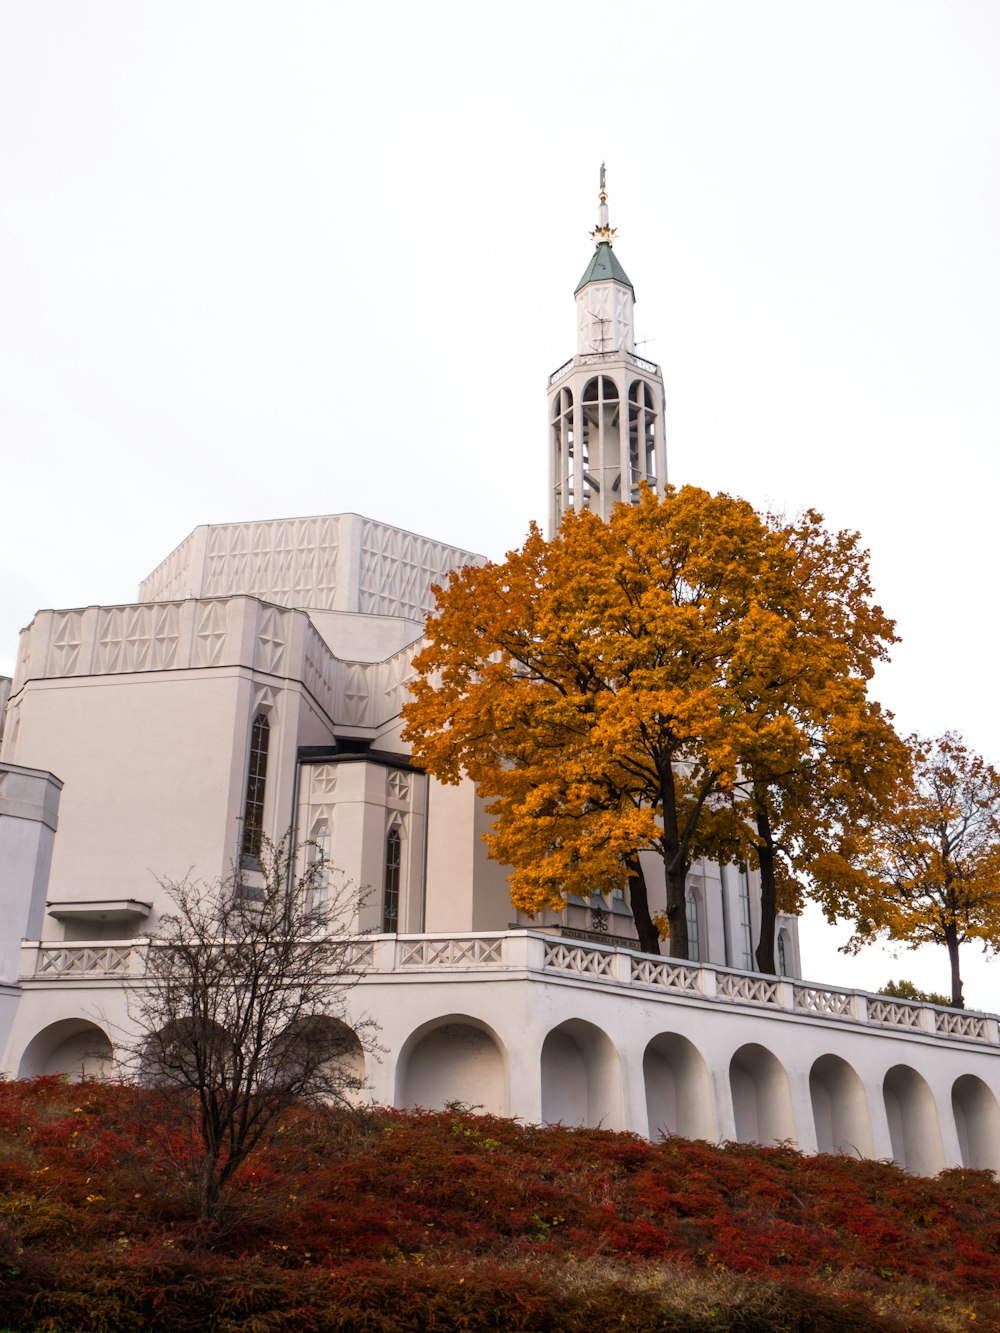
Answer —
602 233
605 403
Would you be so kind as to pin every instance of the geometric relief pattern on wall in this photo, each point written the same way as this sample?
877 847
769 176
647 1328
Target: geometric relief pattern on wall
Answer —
324 781
289 561
398 568
319 814
137 638
210 633
272 639
67 638
394 675
170 581
319 670
355 694
397 787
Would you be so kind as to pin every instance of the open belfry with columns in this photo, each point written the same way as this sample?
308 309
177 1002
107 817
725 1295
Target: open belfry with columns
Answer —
258 679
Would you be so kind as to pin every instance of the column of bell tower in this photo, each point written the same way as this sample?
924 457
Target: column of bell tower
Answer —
605 403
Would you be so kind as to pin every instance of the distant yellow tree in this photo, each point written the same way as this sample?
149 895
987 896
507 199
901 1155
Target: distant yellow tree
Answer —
926 868
616 689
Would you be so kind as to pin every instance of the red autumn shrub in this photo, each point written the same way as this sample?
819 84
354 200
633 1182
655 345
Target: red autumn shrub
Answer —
385 1220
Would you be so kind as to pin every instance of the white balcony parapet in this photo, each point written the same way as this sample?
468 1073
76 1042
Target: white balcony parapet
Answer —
747 986
820 1000
527 951
955 1023
896 1013
580 960
109 960
664 972
461 951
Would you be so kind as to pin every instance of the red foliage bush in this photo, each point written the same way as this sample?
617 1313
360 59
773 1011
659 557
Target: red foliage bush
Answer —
382 1220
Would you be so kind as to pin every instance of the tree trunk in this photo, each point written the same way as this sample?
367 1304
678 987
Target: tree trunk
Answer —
676 882
768 887
674 866
649 936
209 1190
951 940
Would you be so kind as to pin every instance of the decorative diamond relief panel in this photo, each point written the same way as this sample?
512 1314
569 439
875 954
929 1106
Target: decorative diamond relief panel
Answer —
324 781
210 633
272 638
289 561
398 568
319 670
136 638
356 694
67 638
171 580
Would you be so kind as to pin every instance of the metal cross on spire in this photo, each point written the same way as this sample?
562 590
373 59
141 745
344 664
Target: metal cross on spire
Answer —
603 234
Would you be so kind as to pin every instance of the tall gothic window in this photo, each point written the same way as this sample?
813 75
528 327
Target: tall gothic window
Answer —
694 948
390 895
782 955
319 880
746 931
253 809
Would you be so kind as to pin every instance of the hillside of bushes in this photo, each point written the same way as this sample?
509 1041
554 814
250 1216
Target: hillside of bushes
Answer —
374 1221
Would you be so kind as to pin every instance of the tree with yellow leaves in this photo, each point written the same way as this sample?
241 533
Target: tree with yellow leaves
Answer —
926 868
616 689
817 753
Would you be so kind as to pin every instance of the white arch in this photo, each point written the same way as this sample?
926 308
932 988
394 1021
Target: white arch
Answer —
678 1089
330 1047
762 1102
581 1077
840 1108
914 1130
455 1058
977 1121
73 1046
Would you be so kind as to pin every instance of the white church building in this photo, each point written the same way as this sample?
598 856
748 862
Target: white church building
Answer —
257 681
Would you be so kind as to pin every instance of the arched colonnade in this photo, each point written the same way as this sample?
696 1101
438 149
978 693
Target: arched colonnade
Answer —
585 1079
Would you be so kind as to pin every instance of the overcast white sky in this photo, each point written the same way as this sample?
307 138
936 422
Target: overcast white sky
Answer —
260 260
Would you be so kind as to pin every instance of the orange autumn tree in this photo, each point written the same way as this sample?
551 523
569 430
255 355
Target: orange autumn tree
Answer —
606 689
924 869
817 752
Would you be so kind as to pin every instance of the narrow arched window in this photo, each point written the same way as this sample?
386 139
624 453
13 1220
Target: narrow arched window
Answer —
319 870
253 809
782 955
694 947
746 931
390 895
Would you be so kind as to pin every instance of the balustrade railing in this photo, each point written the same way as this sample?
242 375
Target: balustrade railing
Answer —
112 960
457 952
603 964
820 1000
598 358
664 972
897 1013
746 986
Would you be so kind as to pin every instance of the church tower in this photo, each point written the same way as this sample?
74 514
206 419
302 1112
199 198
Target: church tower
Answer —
598 451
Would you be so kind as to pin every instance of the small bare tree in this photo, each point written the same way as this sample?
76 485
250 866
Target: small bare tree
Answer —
243 1008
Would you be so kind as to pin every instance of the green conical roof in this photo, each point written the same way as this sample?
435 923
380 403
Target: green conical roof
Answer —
602 267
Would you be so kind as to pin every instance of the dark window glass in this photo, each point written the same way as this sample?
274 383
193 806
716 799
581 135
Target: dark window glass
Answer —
390 897
253 810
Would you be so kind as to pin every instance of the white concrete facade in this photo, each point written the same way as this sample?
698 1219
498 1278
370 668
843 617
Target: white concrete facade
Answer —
256 683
